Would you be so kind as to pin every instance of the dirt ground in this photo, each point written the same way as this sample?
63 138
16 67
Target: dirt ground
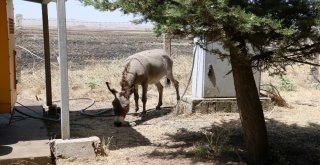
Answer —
162 136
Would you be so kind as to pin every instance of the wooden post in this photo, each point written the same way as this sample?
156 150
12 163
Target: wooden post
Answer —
167 43
46 43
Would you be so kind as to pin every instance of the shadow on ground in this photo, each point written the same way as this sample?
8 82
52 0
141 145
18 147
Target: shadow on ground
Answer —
103 127
19 127
5 150
225 139
293 144
289 144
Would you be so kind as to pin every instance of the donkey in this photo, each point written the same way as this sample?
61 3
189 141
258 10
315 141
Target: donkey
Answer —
142 68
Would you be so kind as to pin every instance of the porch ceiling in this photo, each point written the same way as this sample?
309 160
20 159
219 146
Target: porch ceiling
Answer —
41 1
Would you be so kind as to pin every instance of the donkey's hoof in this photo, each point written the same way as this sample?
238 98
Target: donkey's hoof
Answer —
132 124
143 114
121 124
135 114
158 107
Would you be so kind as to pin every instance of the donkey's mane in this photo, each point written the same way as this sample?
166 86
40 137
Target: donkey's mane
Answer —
125 86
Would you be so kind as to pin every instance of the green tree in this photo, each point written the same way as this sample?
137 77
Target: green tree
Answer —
269 34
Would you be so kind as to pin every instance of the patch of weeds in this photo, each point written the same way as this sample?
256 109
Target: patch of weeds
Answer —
102 148
272 92
315 86
23 162
216 144
286 84
92 85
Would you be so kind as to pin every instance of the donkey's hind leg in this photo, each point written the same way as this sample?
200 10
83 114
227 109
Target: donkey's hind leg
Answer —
136 97
144 97
160 91
175 83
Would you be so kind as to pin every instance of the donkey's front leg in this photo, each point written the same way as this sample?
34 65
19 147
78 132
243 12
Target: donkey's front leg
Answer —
144 97
136 97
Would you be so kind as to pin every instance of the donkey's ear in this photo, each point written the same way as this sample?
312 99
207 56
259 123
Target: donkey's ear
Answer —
113 91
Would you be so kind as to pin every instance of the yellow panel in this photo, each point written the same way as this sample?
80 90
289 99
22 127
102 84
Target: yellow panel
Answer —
12 52
5 108
7 90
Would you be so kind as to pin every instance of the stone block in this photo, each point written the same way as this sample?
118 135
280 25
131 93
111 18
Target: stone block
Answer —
191 104
82 147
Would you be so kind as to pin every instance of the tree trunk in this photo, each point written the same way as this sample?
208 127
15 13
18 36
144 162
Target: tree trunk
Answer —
249 105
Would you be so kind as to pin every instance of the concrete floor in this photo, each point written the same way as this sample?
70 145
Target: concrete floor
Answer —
25 139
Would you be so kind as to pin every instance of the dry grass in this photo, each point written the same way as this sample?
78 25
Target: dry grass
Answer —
305 91
298 75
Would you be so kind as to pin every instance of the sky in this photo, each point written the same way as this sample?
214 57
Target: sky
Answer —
74 10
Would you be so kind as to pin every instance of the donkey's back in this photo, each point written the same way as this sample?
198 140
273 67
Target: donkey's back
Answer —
149 65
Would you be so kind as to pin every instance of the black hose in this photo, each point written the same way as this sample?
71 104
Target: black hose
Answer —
98 114
34 117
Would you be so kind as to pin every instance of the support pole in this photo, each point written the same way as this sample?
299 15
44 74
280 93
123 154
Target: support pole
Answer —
64 87
167 44
46 39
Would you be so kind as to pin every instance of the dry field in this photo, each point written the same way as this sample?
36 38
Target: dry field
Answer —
162 137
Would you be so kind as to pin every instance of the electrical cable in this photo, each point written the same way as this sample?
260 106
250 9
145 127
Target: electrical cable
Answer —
190 77
35 117
33 54
39 116
29 108
16 119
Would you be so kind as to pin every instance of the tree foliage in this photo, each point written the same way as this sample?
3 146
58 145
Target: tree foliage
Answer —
271 33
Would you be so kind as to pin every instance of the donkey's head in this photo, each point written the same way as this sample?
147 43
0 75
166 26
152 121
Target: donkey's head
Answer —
120 107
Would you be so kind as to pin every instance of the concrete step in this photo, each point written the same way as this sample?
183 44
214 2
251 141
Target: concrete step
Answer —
25 140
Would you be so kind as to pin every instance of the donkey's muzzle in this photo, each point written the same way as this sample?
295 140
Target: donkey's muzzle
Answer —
117 123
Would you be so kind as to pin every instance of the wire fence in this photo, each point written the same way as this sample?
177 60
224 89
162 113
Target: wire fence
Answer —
87 25
94 57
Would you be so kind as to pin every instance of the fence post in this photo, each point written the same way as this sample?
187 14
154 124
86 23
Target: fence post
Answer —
167 43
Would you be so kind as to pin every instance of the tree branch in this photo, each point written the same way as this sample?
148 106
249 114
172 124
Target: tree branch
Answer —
302 62
306 47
